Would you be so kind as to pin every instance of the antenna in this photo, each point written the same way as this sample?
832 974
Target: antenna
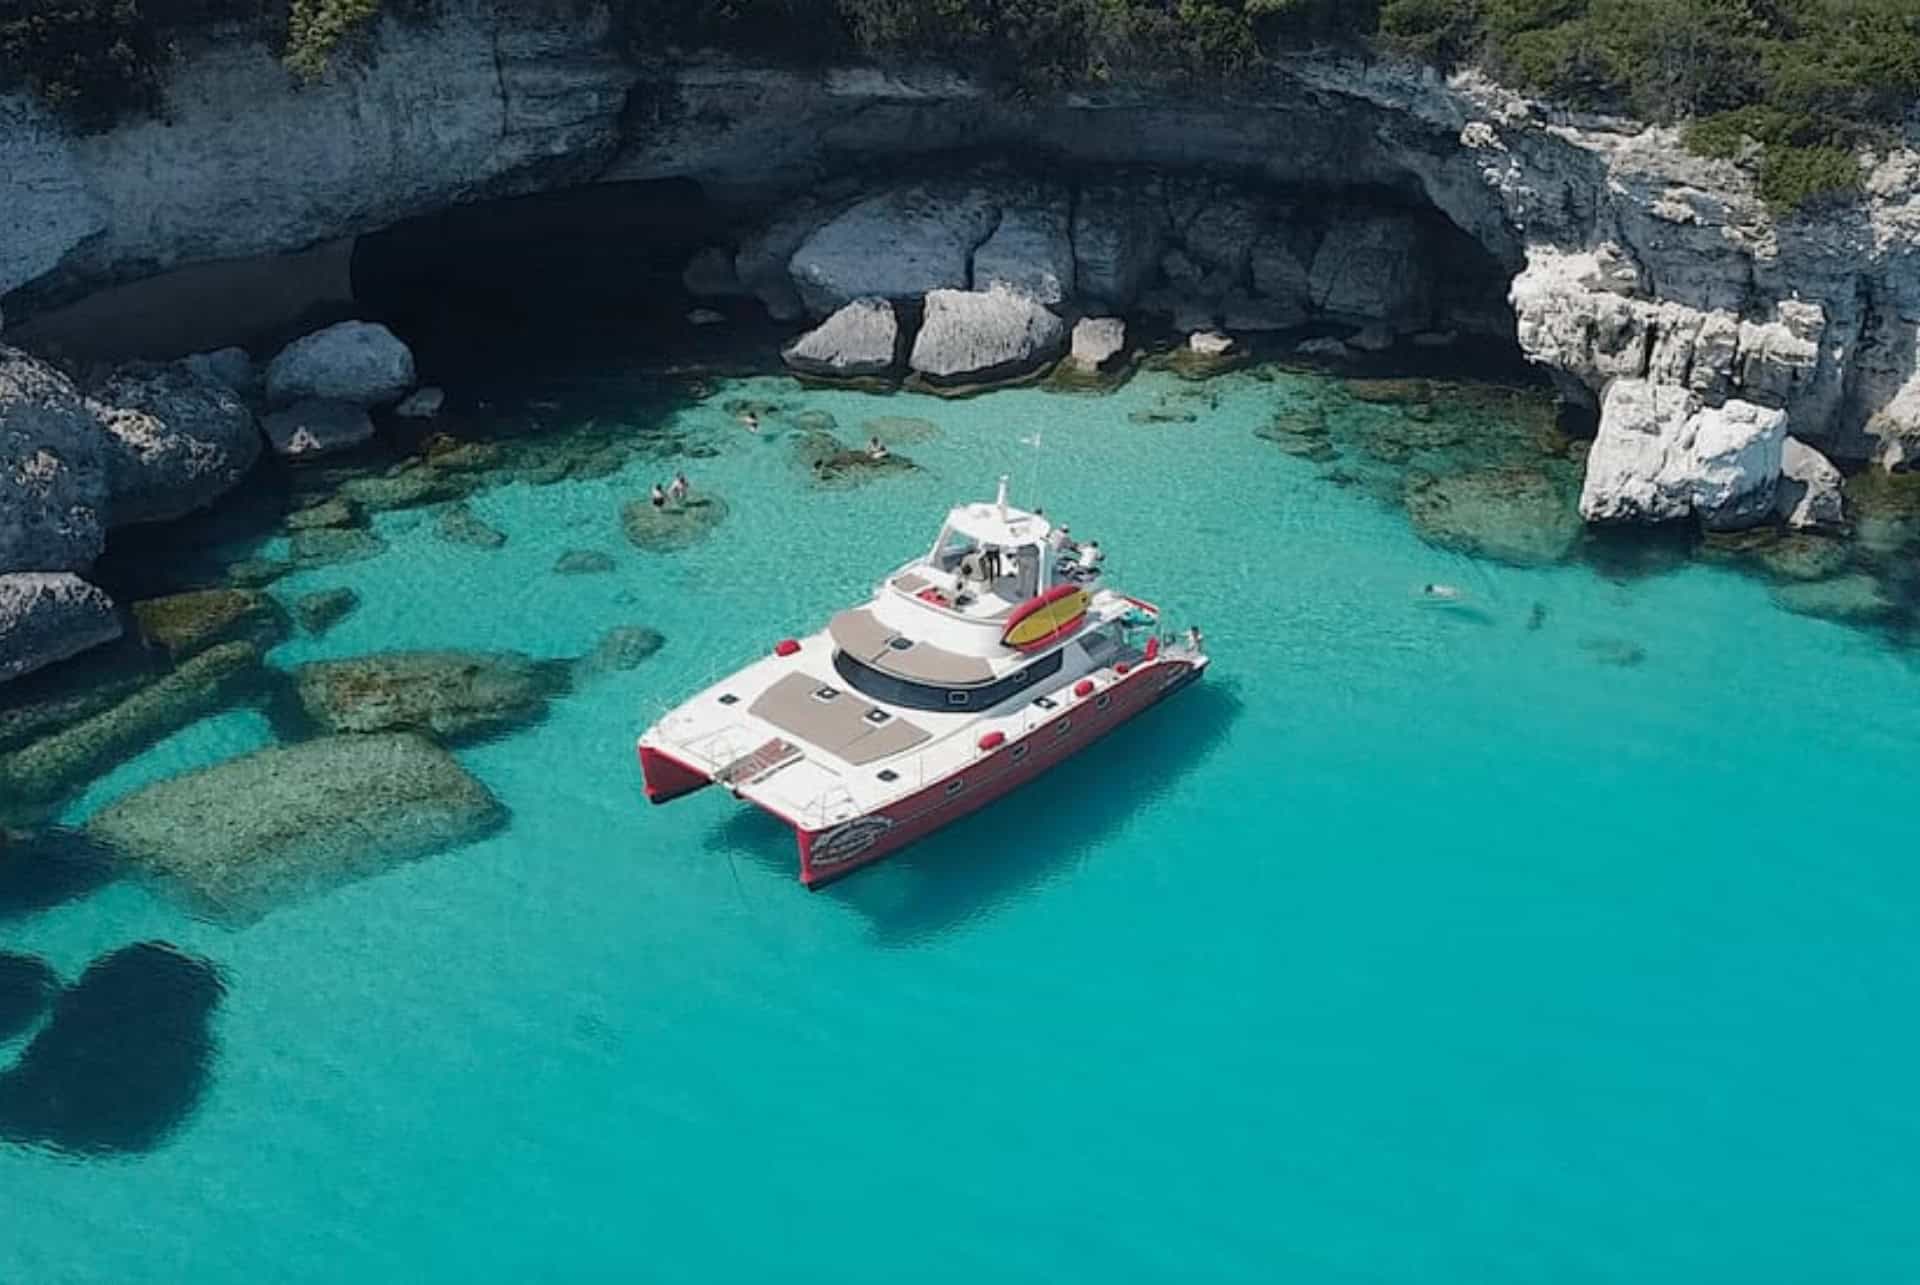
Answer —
1000 500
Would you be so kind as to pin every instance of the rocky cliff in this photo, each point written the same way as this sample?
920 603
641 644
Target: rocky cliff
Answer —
1623 256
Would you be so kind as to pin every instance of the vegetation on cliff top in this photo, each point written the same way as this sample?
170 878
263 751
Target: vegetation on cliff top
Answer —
1792 87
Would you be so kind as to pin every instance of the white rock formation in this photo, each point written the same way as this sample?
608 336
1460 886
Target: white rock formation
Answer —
175 441
861 338
984 334
1811 495
1096 341
1662 455
49 616
352 361
1209 343
317 427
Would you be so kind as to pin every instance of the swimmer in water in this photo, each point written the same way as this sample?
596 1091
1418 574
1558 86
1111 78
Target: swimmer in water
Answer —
750 421
1441 592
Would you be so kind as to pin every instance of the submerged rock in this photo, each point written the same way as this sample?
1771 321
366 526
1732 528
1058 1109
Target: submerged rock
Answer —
1614 651
185 623
124 1059
43 772
975 335
454 695
232 368
321 611
623 647
242 837
39 871
1509 514
900 430
308 429
329 546
674 526
27 986
860 338
458 524
354 361
257 573
335 512
404 486
1856 599
46 617
583 562
175 441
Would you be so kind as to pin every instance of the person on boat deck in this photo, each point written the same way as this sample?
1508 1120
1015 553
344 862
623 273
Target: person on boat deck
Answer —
990 563
876 449
1090 556
659 496
678 488
1058 539
1196 641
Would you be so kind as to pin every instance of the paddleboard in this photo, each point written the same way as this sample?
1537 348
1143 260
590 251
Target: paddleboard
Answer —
1046 619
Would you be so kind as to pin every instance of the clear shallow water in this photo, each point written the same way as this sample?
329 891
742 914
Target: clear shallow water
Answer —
1414 945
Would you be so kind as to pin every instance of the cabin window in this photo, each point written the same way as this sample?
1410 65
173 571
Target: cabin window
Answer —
890 689
887 774
955 786
958 699
1044 702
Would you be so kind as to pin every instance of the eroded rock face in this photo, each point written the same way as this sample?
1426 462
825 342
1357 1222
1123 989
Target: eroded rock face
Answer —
47 616
243 837
176 440
972 335
1663 455
896 245
1373 268
360 362
1031 250
1118 231
860 338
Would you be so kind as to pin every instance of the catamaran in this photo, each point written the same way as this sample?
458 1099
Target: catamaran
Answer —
975 667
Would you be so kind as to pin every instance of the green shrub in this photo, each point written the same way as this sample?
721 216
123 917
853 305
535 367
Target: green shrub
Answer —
94 61
315 29
1793 178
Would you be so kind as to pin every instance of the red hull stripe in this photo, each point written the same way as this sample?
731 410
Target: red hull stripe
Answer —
837 851
666 777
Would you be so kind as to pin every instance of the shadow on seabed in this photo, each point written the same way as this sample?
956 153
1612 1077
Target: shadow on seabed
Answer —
967 870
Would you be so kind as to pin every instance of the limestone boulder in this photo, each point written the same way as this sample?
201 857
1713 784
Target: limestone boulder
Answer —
971 335
1812 494
47 616
176 440
1096 341
53 470
184 623
1119 230
1894 430
896 245
451 695
243 837
1661 455
309 429
761 263
672 527
1371 267
860 338
353 361
1031 248
422 403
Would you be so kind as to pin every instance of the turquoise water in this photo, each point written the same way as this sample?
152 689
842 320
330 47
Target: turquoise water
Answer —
1413 945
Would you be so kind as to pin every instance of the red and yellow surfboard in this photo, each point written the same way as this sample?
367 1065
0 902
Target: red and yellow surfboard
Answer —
1039 622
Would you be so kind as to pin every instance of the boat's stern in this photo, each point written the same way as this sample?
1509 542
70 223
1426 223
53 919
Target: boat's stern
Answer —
665 777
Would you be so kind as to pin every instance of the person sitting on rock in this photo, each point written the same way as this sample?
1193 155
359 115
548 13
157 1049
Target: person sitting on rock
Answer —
659 496
876 449
678 488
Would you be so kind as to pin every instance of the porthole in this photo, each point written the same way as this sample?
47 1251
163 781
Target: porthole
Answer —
955 786
1103 702
1019 752
1062 727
